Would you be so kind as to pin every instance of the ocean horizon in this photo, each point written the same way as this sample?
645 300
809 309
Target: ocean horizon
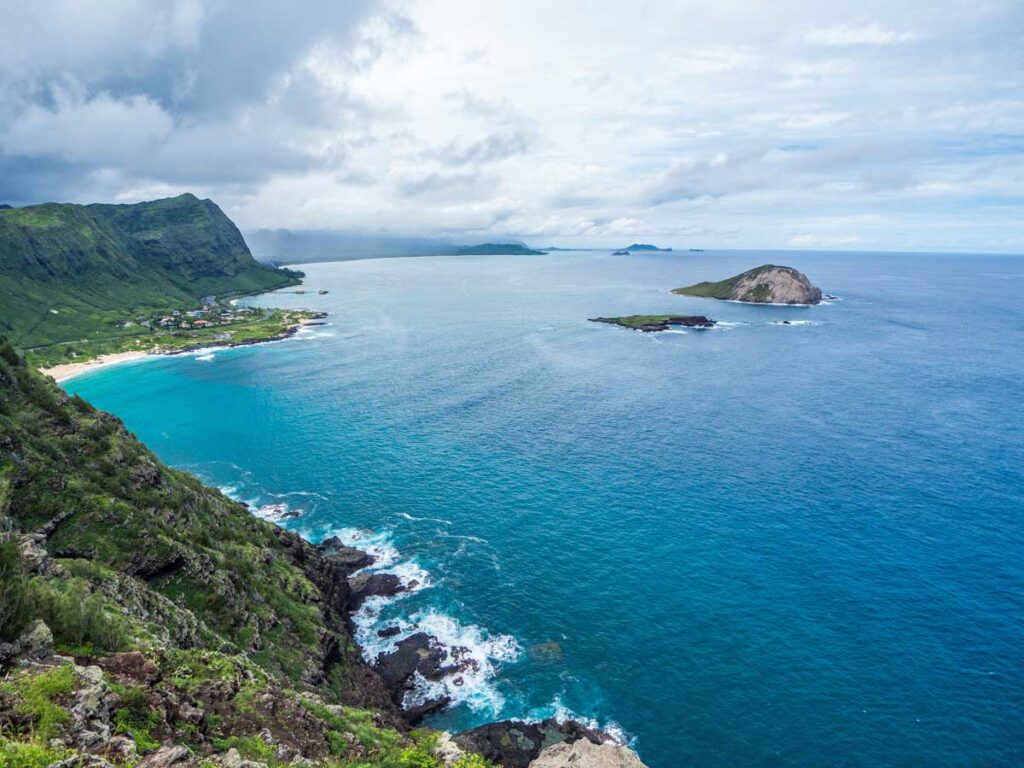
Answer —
791 539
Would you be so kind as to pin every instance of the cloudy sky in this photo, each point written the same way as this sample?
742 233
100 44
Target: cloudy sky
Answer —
727 123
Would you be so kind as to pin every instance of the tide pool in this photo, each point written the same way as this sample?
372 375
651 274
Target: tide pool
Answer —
761 544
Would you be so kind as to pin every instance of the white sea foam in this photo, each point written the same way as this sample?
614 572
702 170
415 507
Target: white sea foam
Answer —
407 516
725 324
276 512
205 357
764 303
794 322
561 713
412 576
469 645
231 491
466 645
378 544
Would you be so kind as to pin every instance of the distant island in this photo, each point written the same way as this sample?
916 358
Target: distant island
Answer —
767 284
497 249
620 253
645 247
654 323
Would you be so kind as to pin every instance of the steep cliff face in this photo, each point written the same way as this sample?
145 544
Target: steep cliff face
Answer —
183 235
767 284
170 561
71 271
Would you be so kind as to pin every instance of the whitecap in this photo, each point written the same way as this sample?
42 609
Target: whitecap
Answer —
412 576
478 650
206 357
378 544
276 512
407 516
563 714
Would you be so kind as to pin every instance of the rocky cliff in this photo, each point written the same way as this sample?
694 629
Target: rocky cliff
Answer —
147 620
767 284
70 272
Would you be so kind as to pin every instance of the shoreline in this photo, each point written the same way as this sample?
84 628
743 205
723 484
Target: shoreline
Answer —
426 659
67 371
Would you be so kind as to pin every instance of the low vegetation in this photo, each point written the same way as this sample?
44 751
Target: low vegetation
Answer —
651 323
247 328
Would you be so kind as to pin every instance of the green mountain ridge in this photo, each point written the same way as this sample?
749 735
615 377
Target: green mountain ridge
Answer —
70 272
497 249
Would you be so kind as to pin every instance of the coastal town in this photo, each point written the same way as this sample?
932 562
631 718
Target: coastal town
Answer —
217 323
213 314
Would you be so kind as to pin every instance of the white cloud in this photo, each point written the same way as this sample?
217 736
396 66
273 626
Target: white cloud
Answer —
823 241
82 130
736 123
868 34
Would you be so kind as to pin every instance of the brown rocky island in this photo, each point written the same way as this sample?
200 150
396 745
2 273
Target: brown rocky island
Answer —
767 284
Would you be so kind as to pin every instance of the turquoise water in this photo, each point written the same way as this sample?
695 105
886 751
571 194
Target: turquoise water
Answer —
758 545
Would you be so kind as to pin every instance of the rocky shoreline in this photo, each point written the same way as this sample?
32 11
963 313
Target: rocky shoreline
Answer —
315 318
508 743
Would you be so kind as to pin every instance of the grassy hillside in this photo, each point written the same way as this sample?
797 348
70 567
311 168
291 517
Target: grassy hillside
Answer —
73 272
718 290
192 625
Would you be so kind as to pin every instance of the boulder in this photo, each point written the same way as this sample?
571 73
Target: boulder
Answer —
349 558
121 750
82 760
130 666
516 744
36 642
585 754
447 751
367 585
413 654
168 757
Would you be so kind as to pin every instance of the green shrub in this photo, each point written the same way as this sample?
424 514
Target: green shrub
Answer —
28 754
15 611
417 756
135 718
249 747
36 695
77 617
472 761
8 353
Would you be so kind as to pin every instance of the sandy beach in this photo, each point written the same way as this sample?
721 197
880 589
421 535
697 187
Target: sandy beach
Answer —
67 371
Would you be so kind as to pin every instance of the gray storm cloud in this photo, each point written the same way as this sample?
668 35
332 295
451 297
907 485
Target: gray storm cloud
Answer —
743 124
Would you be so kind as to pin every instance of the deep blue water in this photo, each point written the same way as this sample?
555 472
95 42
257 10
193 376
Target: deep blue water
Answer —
757 545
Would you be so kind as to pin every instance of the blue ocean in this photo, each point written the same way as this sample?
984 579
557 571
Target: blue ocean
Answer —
771 543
